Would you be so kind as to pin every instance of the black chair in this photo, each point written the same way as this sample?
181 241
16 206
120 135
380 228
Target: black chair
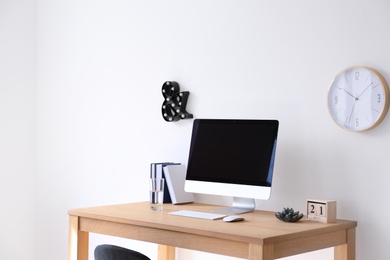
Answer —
111 252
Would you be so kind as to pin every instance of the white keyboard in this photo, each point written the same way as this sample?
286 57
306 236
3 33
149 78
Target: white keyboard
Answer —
197 214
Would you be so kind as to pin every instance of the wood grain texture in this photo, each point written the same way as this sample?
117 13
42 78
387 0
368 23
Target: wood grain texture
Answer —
260 236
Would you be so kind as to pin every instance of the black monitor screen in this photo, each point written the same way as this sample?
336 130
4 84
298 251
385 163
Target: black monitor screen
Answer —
233 151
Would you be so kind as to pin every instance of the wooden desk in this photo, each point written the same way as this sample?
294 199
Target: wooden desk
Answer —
260 237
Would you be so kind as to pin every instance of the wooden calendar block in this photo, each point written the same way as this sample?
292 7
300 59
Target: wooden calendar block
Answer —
321 210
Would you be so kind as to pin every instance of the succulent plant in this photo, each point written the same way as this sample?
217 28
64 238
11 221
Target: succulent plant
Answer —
289 215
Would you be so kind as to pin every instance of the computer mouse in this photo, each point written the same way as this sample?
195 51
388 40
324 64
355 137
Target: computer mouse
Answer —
233 218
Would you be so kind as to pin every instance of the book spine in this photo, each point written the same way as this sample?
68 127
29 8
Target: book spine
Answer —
156 171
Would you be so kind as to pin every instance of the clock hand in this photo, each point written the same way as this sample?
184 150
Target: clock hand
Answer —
349 93
350 116
364 90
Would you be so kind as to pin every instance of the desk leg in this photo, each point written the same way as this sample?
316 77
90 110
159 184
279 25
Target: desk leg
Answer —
166 252
78 241
348 250
261 252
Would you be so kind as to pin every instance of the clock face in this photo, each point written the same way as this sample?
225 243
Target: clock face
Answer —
358 98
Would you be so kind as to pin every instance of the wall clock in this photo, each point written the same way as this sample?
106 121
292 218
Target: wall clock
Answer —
358 98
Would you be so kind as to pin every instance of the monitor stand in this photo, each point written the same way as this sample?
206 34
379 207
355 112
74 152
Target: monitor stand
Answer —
240 205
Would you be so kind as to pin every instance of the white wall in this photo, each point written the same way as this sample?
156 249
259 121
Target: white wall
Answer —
17 129
101 65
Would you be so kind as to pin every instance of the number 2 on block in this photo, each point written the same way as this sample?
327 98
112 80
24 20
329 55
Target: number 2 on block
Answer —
317 209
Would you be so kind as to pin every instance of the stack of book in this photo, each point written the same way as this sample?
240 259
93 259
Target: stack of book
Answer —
174 175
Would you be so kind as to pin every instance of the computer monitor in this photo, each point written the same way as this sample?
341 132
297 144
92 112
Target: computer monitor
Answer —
232 157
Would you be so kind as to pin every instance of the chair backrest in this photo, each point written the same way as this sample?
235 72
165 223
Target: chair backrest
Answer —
111 252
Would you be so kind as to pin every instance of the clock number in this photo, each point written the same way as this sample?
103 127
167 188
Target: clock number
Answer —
336 100
357 122
379 98
357 75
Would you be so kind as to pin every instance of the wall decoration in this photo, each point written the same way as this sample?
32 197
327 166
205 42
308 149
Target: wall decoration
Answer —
175 102
358 98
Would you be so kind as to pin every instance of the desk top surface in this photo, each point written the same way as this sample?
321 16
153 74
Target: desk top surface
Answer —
258 226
